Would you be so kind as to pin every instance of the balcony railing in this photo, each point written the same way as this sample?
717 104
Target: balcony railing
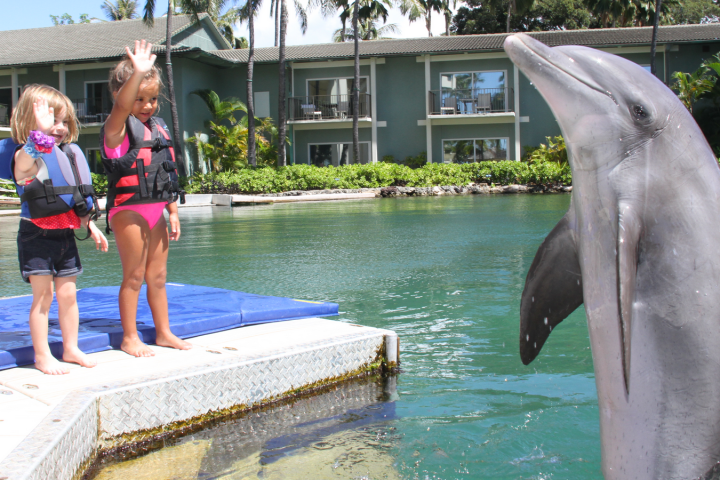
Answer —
327 107
92 110
4 115
475 101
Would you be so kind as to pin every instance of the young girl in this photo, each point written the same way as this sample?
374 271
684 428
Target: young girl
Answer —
44 120
142 182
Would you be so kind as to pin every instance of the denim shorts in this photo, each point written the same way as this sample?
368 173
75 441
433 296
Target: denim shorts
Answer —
47 252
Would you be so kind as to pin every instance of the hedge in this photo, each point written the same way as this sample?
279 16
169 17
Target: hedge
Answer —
253 180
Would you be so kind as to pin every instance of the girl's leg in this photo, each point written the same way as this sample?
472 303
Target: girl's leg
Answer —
42 288
155 275
132 237
69 316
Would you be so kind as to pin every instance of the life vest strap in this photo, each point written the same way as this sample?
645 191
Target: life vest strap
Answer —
156 145
51 192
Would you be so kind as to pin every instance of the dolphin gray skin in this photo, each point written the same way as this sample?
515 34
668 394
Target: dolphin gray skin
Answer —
638 247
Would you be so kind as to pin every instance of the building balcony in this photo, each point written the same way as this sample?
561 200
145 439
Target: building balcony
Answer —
92 111
328 111
466 106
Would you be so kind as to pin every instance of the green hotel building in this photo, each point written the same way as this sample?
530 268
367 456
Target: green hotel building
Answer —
457 98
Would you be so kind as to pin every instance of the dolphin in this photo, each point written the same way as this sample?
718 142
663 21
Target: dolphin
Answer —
638 247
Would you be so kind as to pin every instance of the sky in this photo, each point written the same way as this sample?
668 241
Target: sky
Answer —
17 16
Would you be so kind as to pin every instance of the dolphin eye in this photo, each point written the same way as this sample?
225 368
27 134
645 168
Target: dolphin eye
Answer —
639 112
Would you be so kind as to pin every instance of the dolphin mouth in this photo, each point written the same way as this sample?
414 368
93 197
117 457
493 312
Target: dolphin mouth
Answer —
545 53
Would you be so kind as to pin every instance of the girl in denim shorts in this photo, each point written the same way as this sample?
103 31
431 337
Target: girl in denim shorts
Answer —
55 188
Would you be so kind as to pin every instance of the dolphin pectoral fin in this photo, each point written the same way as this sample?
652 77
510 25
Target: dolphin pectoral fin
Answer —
629 231
553 288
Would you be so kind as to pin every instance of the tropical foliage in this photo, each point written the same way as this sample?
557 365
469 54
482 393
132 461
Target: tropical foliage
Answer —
226 148
308 177
66 19
554 152
120 10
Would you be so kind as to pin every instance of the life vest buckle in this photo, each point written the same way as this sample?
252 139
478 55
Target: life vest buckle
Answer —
49 191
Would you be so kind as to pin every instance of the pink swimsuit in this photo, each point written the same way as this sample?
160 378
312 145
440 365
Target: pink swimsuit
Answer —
151 212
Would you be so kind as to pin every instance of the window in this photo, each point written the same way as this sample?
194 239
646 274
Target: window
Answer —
94 161
474 92
5 105
335 86
335 154
474 150
96 105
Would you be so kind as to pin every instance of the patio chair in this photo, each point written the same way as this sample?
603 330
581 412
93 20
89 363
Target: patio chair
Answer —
310 112
450 107
484 103
341 110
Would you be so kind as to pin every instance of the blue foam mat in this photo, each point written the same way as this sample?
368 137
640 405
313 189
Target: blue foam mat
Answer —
194 310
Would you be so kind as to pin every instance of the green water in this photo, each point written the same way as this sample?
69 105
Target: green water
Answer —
445 273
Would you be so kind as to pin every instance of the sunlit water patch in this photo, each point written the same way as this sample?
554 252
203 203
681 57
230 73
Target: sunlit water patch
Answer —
446 273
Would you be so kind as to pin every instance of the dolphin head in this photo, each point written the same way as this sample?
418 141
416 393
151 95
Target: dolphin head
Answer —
607 106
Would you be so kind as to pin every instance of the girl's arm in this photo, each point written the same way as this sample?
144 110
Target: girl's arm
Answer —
25 165
174 221
142 61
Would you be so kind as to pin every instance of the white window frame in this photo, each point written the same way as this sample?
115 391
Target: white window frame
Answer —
309 158
442 144
308 80
504 72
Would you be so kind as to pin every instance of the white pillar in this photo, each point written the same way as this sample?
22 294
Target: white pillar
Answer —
14 83
428 124
516 100
373 101
61 74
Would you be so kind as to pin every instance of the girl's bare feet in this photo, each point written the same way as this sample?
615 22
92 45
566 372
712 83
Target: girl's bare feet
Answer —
170 340
50 365
135 347
75 355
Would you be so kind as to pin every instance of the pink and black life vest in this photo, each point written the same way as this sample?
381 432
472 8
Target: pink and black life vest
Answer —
147 172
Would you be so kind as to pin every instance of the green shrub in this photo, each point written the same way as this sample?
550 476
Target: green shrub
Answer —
416 162
99 182
388 159
253 180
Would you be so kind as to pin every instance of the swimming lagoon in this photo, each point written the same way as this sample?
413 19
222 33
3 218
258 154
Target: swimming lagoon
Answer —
446 274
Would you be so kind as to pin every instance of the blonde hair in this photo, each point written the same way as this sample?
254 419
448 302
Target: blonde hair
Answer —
122 72
23 117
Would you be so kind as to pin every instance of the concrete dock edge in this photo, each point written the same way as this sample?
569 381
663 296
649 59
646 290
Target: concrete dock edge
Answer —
91 420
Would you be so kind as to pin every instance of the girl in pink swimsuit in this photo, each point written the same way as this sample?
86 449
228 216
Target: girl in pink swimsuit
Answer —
141 231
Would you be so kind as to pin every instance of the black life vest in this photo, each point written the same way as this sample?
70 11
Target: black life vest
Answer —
135 180
63 183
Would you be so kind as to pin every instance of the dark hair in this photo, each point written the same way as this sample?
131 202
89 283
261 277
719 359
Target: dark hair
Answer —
123 70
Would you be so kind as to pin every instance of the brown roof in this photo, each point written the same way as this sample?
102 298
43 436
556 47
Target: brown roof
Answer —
479 43
87 41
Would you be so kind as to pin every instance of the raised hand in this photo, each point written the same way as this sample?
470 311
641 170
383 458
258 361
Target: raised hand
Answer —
44 115
143 58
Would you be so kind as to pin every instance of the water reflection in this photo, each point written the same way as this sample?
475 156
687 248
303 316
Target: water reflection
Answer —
347 432
446 273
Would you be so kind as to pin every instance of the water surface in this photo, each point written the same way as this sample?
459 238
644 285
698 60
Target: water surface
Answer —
446 273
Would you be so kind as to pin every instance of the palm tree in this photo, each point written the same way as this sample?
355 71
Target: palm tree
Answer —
415 9
362 9
149 20
121 10
221 109
517 7
301 12
369 30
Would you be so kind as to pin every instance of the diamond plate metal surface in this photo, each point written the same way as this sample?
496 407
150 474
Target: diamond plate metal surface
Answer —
102 417
62 444
236 382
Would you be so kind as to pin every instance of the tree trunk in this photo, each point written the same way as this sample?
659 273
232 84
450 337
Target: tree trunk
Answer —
653 45
447 24
250 103
342 35
177 139
428 22
511 7
356 84
282 104
277 22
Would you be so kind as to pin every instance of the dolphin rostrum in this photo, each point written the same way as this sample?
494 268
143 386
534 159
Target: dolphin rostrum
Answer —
638 247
